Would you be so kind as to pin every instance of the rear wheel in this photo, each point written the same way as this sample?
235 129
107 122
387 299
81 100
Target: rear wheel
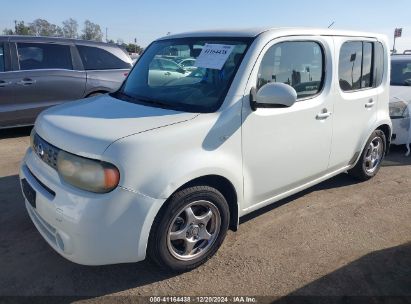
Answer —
190 229
371 158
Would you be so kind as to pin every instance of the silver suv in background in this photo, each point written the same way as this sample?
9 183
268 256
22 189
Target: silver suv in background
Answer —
38 72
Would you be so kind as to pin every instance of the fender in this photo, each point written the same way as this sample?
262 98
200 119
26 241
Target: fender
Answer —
376 125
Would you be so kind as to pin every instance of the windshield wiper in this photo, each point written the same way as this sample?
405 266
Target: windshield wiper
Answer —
143 100
122 96
154 102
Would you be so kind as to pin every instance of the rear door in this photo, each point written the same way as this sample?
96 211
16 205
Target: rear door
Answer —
356 94
106 67
45 75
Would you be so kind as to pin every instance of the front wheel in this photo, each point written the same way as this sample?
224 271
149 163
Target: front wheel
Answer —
189 229
371 158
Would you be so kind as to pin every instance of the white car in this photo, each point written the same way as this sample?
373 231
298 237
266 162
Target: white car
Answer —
400 100
162 71
164 170
188 64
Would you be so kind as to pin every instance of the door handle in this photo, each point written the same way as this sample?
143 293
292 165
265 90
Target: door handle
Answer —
4 83
167 73
26 81
370 103
323 115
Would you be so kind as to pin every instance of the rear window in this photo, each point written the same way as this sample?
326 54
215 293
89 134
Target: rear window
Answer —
35 56
1 58
95 58
401 73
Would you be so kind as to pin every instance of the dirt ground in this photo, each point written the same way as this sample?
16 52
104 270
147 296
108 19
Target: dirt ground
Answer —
340 238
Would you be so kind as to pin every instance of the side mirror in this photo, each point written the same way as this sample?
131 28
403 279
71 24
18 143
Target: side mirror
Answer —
273 95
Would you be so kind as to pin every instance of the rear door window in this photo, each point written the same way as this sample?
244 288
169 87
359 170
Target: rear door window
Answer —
38 56
361 65
350 66
2 62
95 58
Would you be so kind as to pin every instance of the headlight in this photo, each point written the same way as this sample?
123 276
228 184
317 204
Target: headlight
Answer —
87 174
398 109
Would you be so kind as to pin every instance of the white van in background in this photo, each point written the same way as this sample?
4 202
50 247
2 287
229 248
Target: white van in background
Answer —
400 99
164 166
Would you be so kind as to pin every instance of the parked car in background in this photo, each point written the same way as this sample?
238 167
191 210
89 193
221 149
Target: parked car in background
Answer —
400 99
165 170
164 70
38 72
134 57
188 64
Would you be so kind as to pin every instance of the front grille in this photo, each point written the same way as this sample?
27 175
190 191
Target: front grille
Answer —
47 152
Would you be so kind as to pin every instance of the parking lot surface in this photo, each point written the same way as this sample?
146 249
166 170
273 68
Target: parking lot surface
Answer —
337 238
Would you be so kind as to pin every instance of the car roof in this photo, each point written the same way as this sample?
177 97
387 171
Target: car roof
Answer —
254 32
57 39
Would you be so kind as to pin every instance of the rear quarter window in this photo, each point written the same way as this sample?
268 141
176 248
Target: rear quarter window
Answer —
95 58
379 63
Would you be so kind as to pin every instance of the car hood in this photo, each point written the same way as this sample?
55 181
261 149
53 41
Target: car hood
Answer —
400 93
87 127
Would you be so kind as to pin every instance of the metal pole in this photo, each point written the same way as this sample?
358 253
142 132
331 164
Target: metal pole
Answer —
395 37
393 48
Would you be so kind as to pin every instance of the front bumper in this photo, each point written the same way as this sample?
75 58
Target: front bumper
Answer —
88 228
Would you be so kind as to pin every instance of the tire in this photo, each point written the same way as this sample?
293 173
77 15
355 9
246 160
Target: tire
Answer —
371 157
176 230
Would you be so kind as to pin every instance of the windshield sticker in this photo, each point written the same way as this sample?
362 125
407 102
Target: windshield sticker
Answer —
213 56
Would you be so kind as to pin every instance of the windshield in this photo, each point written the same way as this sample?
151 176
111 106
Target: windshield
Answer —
188 74
401 73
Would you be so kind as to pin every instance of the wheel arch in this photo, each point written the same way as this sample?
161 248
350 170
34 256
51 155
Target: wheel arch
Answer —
223 185
99 91
387 132
386 128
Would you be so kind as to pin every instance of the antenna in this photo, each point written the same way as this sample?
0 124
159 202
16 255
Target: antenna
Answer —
330 26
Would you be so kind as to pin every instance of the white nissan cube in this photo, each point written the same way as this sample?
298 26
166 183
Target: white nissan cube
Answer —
163 167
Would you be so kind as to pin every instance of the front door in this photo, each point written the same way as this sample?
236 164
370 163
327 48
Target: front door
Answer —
6 85
284 148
